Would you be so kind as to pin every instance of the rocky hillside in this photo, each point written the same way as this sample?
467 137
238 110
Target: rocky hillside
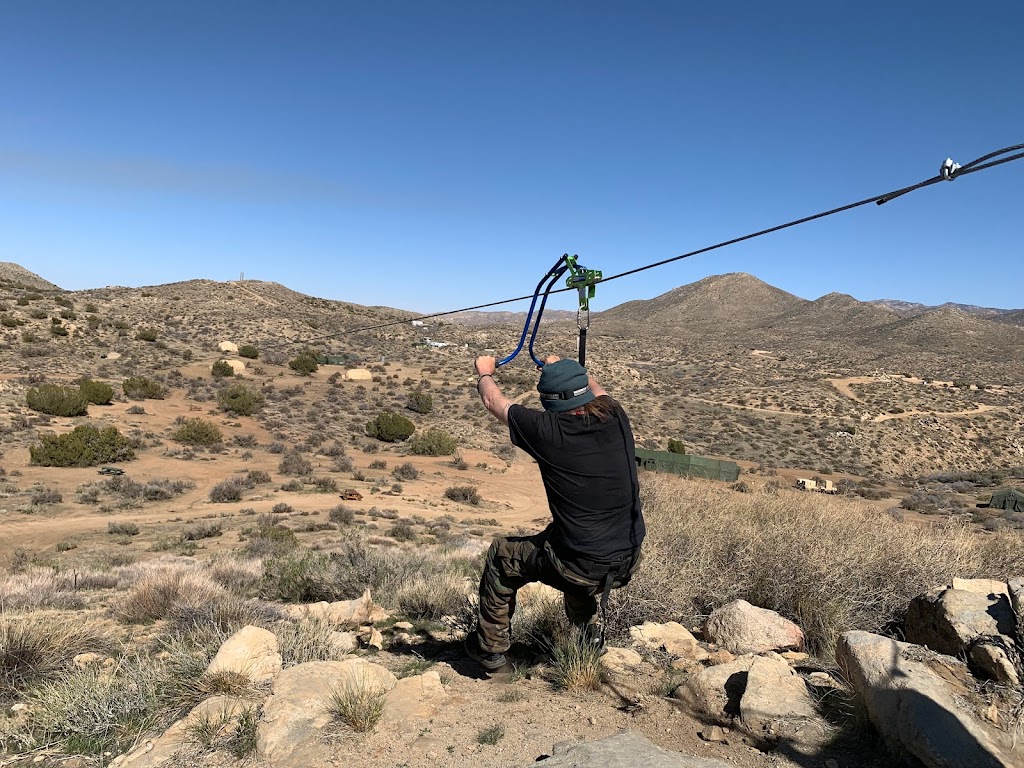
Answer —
15 276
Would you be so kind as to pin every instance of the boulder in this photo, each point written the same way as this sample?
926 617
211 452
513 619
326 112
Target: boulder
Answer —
288 735
412 701
344 642
914 709
620 659
949 620
716 691
236 365
982 586
627 749
744 628
776 706
354 613
251 651
1016 590
672 637
228 346
358 374
994 663
157 752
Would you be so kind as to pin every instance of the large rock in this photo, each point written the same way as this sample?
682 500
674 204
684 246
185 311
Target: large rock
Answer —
346 613
620 659
744 628
994 663
672 637
412 701
228 346
295 714
776 706
914 708
716 691
627 749
950 620
251 651
154 752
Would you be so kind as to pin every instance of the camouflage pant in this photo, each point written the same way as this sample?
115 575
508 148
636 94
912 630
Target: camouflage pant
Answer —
516 561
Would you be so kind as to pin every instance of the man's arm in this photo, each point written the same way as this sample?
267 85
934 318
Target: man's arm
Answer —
490 392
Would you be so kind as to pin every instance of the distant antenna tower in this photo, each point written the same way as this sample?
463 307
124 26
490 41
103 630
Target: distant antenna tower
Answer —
241 276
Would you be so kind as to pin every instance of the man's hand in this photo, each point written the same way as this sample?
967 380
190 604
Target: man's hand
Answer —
485 365
551 359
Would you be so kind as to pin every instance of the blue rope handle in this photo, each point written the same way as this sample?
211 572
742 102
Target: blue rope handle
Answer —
551 276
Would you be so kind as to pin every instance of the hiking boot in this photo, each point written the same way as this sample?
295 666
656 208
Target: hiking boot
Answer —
594 636
491 662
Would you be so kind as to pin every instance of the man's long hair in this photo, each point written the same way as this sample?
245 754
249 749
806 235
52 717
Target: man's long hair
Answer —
601 408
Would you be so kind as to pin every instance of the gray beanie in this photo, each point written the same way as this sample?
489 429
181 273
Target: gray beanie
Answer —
564 386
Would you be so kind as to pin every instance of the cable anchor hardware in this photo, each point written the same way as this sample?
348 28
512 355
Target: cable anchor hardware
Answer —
948 169
585 282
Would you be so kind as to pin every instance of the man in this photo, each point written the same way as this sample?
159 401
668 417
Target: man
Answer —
583 444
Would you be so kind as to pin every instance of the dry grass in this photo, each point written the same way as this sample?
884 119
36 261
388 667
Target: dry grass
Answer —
359 705
37 646
312 639
162 589
431 598
576 661
37 588
831 564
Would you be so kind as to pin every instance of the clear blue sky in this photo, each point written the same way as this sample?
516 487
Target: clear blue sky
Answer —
430 155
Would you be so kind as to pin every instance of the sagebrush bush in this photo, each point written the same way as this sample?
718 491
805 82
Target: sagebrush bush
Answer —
96 392
294 463
248 351
433 442
196 431
405 471
228 490
57 400
304 363
143 388
240 400
159 589
84 446
221 369
122 528
433 597
341 515
147 334
390 427
420 402
464 494
310 639
830 564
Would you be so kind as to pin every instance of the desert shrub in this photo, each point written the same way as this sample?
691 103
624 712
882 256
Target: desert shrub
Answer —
281 508
135 410
299 577
402 530
227 490
46 496
311 639
143 388
325 485
221 369
29 588
292 486
248 351
464 494
390 427
57 400
846 567
341 515
378 464
96 392
431 598
201 530
358 704
405 471
576 661
271 541
196 431
122 528
304 363
10 322
147 334
161 588
58 330
256 476
433 442
420 402
240 399
294 463
84 446
676 446
35 647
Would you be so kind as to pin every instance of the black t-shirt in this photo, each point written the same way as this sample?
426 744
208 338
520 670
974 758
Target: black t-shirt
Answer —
589 473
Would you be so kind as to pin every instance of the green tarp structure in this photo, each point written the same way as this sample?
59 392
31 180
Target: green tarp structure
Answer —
1008 498
687 465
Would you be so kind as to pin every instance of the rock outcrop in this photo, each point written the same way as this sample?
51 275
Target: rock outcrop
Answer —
627 749
744 628
915 709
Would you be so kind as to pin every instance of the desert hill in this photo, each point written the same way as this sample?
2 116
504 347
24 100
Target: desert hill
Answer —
715 304
909 308
16 276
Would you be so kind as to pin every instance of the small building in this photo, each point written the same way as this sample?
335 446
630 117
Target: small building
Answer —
1008 498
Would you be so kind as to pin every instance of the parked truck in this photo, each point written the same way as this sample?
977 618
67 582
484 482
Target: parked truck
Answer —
821 486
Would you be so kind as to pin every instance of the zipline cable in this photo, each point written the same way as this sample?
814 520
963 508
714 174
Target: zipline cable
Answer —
949 171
